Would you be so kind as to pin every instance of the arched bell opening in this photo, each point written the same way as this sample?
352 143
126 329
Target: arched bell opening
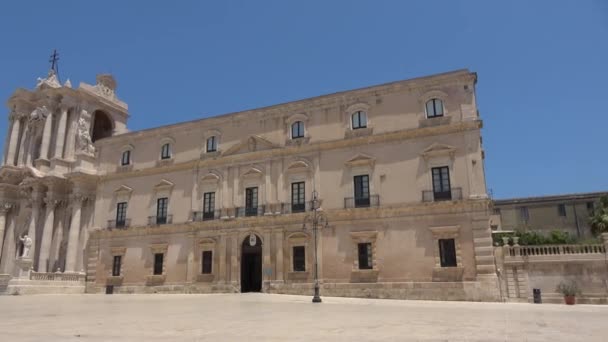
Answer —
102 126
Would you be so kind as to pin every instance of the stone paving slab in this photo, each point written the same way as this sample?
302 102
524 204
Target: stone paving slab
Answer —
264 317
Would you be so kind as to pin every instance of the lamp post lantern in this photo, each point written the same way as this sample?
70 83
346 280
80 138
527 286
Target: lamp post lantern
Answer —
318 220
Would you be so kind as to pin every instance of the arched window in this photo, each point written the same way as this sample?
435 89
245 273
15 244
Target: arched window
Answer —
434 108
297 130
102 126
359 120
126 158
212 144
165 151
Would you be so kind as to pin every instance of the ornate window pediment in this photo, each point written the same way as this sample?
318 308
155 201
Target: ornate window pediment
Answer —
361 160
252 172
163 185
299 166
253 143
123 190
211 177
437 149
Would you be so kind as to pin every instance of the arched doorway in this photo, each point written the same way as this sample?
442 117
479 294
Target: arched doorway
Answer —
102 126
251 264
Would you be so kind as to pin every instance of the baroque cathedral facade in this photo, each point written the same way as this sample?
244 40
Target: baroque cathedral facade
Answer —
232 203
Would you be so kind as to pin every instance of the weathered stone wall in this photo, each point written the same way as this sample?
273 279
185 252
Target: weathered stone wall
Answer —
523 269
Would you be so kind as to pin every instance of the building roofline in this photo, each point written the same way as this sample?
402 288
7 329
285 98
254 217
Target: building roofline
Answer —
548 198
452 73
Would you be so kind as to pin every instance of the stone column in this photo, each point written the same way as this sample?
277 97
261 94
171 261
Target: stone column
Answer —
22 151
13 142
72 252
61 129
222 255
31 232
234 264
47 235
4 208
71 136
7 258
46 137
278 236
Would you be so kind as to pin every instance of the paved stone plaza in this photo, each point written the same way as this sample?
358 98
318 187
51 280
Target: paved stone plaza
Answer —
263 317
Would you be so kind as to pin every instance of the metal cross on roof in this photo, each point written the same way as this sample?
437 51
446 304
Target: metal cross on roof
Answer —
54 60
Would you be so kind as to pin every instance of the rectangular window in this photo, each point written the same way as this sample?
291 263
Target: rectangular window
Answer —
158 263
365 256
121 214
207 259
211 144
361 191
524 215
447 252
359 120
126 158
297 130
298 204
251 201
561 210
161 210
441 184
208 205
299 259
165 152
116 265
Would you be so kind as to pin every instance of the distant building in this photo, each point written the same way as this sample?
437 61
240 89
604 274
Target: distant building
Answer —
568 213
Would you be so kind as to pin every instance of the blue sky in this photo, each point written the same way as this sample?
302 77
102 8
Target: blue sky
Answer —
542 65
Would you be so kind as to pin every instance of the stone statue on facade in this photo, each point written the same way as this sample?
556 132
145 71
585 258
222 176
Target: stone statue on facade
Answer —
83 139
27 244
39 114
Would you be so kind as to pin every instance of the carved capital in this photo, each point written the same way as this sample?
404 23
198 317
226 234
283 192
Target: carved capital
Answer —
5 207
51 202
77 198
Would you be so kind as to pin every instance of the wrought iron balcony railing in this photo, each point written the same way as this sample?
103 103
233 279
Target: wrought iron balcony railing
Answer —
119 224
205 215
453 194
158 220
249 211
292 208
362 202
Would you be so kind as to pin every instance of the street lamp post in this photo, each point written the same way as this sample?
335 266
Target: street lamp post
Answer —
317 219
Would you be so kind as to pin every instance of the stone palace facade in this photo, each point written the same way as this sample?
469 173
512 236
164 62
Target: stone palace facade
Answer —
224 204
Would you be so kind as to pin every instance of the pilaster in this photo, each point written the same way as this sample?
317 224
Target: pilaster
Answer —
266 265
234 265
222 258
278 237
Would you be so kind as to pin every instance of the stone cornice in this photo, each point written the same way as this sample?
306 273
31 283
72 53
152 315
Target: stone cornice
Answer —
247 158
335 216
338 99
